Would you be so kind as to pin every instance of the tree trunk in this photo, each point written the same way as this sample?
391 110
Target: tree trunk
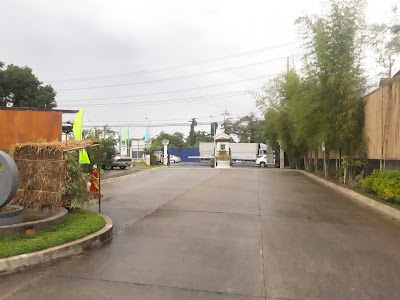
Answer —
305 162
316 160
325 166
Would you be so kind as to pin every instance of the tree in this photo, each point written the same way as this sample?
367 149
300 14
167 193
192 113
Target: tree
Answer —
202 137
248 127
176 140
324 105
281 95
385 42
334 43
192 134
227 124
19 87
108 141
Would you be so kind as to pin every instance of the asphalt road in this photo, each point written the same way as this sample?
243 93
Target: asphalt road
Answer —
246 233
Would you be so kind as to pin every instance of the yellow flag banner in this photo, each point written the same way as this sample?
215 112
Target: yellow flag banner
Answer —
78 125
77 129
84 157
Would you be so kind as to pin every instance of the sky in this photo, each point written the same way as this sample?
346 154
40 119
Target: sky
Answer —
133 63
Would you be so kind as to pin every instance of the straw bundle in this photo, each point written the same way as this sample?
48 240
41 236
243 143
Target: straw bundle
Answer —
43 173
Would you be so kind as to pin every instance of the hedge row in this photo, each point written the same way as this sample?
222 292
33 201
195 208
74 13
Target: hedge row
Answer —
386 184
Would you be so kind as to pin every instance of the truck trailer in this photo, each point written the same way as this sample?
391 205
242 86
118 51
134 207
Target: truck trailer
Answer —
238 151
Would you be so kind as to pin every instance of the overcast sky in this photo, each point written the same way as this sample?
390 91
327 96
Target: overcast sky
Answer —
168 61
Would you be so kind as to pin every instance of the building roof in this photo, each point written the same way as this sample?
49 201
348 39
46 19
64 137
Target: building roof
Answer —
64 111
222 137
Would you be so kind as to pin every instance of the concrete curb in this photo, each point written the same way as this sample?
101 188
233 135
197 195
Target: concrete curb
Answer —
42 224
380 207
94 240
118 178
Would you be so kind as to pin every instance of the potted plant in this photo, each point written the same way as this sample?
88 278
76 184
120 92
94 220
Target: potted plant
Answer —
223 159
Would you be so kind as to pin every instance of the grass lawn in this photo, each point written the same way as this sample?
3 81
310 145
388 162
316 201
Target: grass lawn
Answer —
78 224
143 166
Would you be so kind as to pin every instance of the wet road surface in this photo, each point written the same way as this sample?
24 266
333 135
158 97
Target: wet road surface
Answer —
245 233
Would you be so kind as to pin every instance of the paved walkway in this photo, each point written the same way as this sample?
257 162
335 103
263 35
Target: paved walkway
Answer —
186 233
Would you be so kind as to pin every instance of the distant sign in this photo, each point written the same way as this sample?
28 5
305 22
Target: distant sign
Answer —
124 150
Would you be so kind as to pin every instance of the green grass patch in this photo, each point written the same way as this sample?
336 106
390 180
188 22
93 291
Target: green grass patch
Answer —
143 166
78 224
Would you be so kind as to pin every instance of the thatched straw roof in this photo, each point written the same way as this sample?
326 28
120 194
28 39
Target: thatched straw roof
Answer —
59 146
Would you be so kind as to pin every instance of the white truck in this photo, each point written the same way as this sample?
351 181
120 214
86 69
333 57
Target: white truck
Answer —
266 159
240 152
244 151
206 150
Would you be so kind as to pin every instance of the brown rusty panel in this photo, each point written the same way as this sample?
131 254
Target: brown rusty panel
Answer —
29 126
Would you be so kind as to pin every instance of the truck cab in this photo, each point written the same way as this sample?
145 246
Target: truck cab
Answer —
266 159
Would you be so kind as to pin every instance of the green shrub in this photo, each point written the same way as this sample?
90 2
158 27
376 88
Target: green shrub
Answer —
357 181
387 185
223 155
369 181
332 173
75 190
153 159
311 168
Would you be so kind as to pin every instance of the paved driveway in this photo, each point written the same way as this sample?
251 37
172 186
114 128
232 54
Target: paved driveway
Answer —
248 233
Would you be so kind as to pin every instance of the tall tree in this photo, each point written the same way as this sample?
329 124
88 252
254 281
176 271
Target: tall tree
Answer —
385 42
192 133
334 41
19 87
227 124
248 127
108 141
280 96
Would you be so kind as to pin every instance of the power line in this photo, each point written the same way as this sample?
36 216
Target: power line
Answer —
172 101
167 120
172 78
176 66
175 99
171 91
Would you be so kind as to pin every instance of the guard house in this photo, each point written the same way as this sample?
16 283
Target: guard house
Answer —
222 141
30 125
